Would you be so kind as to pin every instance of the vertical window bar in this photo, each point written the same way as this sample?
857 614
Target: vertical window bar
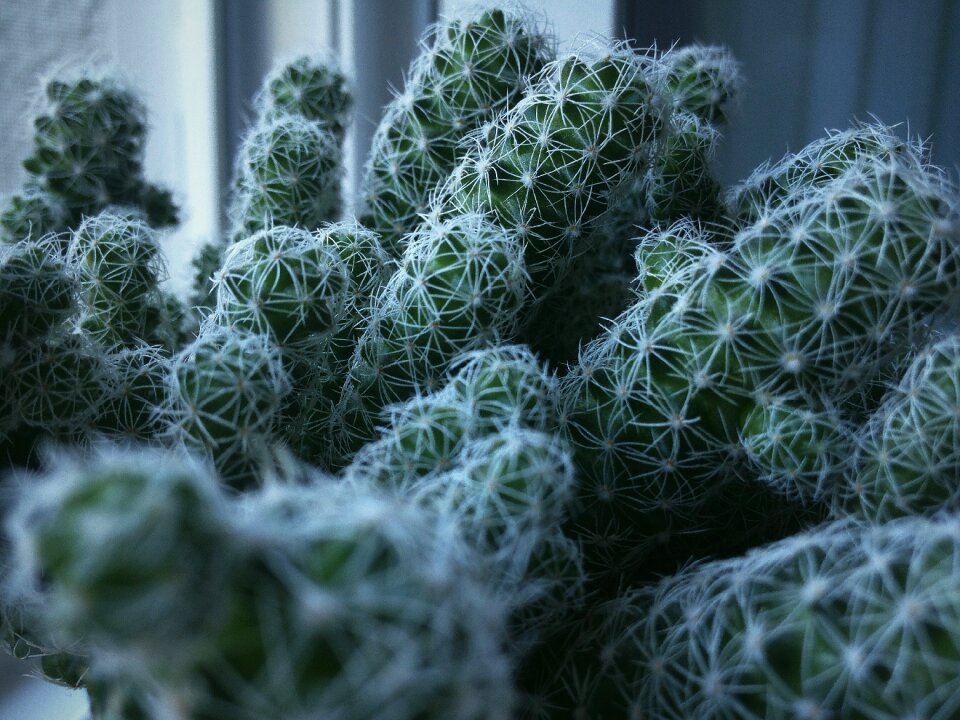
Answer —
384 35
242 59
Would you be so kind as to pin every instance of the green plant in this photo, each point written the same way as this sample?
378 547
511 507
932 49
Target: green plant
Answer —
481 452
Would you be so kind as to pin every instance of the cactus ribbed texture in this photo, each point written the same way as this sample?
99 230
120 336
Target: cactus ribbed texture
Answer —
62 383
154 568
290 164
31 216
537 177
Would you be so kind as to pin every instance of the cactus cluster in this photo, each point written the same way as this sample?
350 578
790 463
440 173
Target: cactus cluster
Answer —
466 73
556 427
87 156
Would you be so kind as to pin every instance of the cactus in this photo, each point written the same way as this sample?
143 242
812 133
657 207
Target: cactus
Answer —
704 80
37 290
110 576
480 450
340 588
134 410
283 283
844 621
906 460
461 287
800 452
544 170
88 154
31 216
61 384
309 86
677 182
225 391
466 73
681 183
311 418
817 300
528 439
598 115
289 167
119 266
288 174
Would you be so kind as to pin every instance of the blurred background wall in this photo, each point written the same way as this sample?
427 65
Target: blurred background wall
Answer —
809 65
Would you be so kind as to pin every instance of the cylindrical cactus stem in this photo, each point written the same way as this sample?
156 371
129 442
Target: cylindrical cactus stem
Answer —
798 175
226 389
678 183
467 72
134 411
681 181
703 79
544 170
88 151
31 215
151 559
284 283
37 291
311 86
119 264
819 301
289 168
288 173
510 493
309 418
477 451
505 386
493 390
339 586
845 621
908 459
62 385
462 286
839 284
649 408
511 487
